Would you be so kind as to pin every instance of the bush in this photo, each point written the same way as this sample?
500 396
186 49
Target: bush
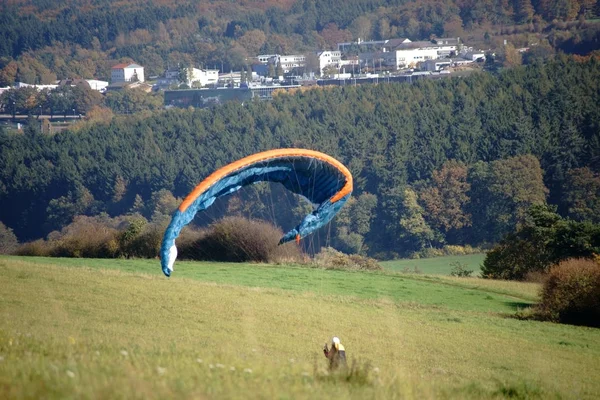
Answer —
513 258
448 250
330 258
142 239
237 239
37 248
100 237
129 236
544 240
8 240
571 294
88 237
460 270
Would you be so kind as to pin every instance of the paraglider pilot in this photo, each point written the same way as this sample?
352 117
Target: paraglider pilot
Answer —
336 354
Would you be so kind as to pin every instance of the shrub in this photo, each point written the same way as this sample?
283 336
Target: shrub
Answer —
8 240
37 248
88 237
571 294
448 250
459 269
514 258
145 241
129 236
237 239
330 258
544 240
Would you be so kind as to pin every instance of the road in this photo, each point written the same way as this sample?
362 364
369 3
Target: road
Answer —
18 117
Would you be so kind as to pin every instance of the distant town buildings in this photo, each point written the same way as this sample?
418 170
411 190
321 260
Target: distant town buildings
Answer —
88 83
351 63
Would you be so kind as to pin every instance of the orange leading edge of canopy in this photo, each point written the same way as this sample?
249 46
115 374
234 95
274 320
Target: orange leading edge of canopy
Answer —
266 155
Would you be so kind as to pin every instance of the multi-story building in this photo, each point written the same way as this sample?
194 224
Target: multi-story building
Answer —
127 73
290 62
402 53
201 77
327 58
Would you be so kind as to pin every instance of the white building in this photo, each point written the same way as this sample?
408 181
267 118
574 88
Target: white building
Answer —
38 87
361 44
231 77
327 58
201 77
264 58
290 62
408 54
97 85
127 73
444 63
474 55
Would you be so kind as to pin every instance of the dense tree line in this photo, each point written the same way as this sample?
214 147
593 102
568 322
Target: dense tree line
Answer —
76 100
82 39
544 239
456 161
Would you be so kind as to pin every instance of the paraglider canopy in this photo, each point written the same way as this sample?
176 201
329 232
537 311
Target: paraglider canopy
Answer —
322 179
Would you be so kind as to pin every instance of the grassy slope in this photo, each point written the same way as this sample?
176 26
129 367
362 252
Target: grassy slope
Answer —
107 333
437 265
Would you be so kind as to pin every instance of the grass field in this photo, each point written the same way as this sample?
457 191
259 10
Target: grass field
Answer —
437 265
73 328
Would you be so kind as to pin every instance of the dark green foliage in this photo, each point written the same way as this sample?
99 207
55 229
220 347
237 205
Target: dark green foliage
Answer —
571 293
237 239
501 193
544 240
581 195
147 243
506 129
353 222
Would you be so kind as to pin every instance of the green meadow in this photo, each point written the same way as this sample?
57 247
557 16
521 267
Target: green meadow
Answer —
97 329
437 265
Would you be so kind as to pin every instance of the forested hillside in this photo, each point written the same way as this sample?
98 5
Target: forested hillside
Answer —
44 40
456 161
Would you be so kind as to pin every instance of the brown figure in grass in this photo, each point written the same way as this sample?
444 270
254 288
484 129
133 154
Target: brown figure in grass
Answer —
336 354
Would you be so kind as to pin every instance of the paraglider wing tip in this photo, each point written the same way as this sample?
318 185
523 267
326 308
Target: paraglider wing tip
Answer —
288 237
171 257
